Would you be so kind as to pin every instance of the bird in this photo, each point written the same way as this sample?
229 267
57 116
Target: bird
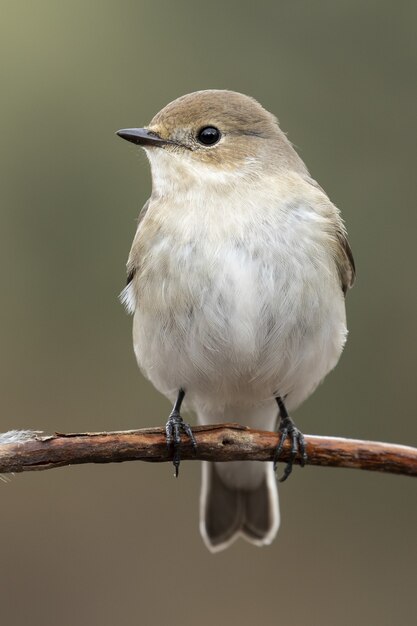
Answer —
236 280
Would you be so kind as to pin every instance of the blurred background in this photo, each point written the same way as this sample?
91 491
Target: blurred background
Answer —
119 544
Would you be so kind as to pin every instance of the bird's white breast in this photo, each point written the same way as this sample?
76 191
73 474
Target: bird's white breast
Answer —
237 297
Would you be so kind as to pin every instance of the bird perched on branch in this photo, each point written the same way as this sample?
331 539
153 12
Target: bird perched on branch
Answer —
236 279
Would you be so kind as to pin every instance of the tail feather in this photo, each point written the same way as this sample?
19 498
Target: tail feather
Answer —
228 512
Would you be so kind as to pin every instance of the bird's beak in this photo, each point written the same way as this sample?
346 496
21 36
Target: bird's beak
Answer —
143 137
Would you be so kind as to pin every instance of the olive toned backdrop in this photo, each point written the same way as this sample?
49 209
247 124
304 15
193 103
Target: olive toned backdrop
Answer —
106 545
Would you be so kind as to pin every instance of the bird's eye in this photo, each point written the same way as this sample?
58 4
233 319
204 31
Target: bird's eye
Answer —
209 135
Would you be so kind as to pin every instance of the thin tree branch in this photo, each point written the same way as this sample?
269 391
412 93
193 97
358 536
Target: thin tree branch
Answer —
22 451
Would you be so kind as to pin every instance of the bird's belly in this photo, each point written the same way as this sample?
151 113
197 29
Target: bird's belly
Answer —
238 330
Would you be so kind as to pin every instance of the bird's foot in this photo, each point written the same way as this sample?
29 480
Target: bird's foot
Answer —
288 429
174 427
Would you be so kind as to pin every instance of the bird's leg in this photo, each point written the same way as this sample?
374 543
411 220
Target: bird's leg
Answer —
174 427
287 428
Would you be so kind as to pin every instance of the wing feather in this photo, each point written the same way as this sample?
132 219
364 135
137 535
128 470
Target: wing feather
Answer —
345 262
128 297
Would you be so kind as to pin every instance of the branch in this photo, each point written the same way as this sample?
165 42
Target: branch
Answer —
22 451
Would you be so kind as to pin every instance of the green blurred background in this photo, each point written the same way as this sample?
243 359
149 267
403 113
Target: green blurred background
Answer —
119 544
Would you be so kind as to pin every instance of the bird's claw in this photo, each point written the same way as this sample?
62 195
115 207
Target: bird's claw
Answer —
173 429
287 429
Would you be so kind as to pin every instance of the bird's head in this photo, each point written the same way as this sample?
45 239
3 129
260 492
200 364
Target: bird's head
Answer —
212 136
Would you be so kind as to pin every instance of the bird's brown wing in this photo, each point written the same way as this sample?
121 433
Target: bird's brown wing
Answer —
345 262
344 257
131 269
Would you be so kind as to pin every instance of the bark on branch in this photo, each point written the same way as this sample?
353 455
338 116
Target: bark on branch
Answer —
22 451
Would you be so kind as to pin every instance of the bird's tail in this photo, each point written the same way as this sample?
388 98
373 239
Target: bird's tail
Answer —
238 499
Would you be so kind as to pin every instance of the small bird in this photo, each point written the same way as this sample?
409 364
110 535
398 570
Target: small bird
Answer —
236 279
